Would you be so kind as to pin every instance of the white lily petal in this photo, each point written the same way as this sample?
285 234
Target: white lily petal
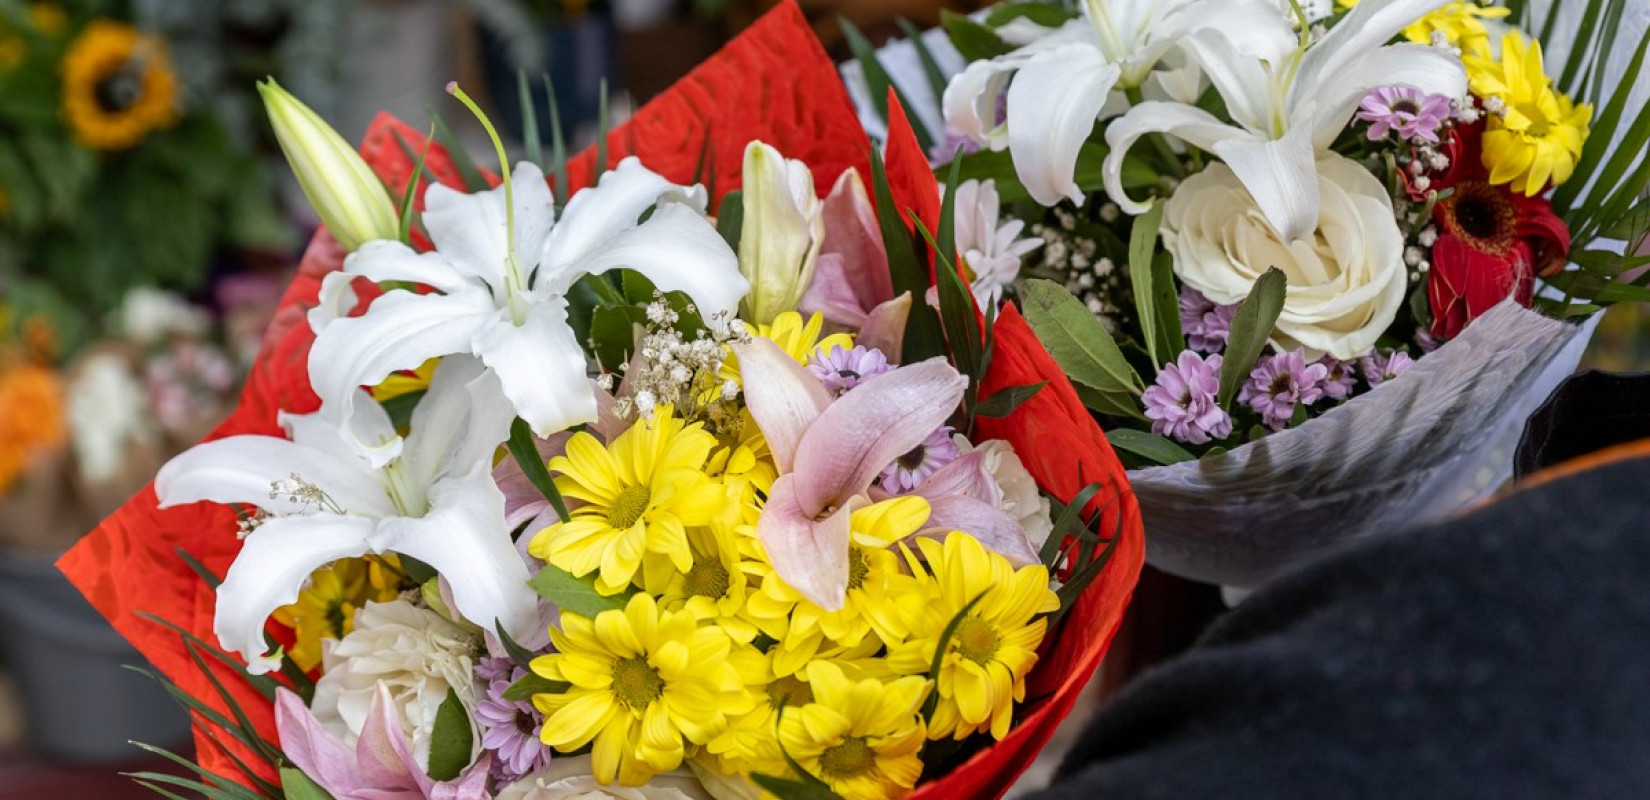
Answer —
970 101
458 423
464 538
782 395
382 260
679 251
781 234
541 367
401 330
1196 126
1282 177
1053 104
241 469
610 207
469 230
1366 27
1420 67
271 569
1244 83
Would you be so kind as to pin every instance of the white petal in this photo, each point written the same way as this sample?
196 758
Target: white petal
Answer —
1282 177
1421 67
1053 104
781 234
970 101
1244 82
541 367
272 567
610 207
469 230
1196 126
1367 26
679 251
381 260
464 538
458 423
240 469
401 330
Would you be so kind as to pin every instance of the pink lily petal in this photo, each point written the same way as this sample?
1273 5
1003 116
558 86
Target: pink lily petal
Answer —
808 551
966 476
994 528
868 427
851 229
884 327
312 749
783 396
832 294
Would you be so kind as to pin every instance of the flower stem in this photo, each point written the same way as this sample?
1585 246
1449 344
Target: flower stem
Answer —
504 173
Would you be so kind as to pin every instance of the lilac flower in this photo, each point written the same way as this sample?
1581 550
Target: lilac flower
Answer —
1182 404
1409 112
1281 382
909 470
841 369
1205 323
1379 368
1338 378
510 728
489 669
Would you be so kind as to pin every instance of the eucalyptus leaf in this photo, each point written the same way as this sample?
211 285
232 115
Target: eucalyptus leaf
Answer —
573 594
451 739
1142 244
974 41
532 683
298 786
1006 401
1081 345
1251 327
1149 446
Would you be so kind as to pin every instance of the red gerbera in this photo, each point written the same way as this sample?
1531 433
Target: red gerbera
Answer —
1492 242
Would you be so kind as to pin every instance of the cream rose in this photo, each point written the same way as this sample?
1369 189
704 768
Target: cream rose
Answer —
571 778
1346 280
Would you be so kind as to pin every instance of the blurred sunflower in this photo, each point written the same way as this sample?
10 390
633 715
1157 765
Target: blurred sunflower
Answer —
117 86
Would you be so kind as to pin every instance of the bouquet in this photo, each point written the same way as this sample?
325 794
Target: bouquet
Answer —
1312 264
552 487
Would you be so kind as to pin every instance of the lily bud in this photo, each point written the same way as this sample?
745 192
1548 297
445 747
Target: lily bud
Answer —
781 234
349 198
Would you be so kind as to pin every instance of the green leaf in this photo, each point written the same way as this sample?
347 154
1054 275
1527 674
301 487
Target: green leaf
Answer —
520 656
298 786
1607 263
1082 346
1142 244
974 41
450 739
601 129
264 788
574 594
788 789
1047 15
532 465
1065 517
1005 401
998 166
1581 48
1251 327
400 407
613 333
558 142
207 576
1603 132
1586 286
532 683
879 82
1115 404
922 326
730 217
408 209
1149 446
529 120
930 67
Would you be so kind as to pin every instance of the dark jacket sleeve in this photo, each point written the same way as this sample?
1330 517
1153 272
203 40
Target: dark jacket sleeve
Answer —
1505 654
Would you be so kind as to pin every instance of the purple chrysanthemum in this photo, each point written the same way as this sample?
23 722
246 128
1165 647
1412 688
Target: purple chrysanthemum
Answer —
910 470
1399 108
1279 383
1182 402
842 369
510 728
1205 323
1338 378
1380 368
489 669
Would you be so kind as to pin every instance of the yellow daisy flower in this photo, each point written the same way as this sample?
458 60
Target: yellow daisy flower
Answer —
862 738
646 684
802 629
639 494
797 336
750 743
982 674
117 86
746 469
713 589
326 607
1536 136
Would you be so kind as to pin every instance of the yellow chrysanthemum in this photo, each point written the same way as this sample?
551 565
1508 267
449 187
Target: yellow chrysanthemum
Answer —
751 744
31 417
713 589
802 629
862 738
1536 135
117 86
326 607
982 674
639 495
746 469
646 684
796 336
405 382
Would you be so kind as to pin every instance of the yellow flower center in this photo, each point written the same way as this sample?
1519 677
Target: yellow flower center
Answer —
977 640
708 578
852 758
859 567
789 692
1539 125
635 683
627 508
336 621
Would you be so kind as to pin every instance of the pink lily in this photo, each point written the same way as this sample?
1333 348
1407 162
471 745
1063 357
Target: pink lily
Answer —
962 496
829 452
851 286
381 766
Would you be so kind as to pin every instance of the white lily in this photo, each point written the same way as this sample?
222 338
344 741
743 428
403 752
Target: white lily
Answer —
781 234
1061 84
1288 104
435 502
500 292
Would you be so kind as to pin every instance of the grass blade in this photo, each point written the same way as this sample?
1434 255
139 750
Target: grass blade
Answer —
529 120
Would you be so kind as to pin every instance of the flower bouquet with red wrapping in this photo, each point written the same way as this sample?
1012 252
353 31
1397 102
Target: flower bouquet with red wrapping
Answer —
1311 264
558 485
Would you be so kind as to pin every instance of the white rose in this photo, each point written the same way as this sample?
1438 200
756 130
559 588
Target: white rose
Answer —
1020 499
1346 281
418 654
570 778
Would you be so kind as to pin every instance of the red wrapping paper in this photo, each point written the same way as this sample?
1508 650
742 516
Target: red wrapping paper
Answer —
773 83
